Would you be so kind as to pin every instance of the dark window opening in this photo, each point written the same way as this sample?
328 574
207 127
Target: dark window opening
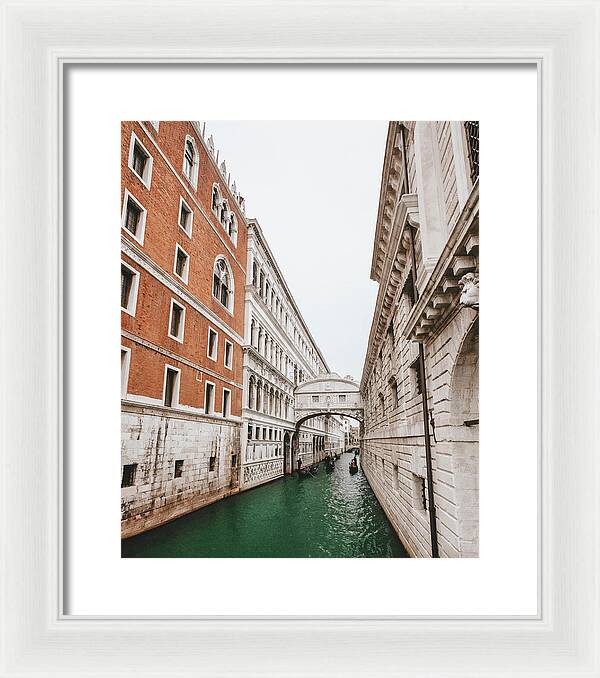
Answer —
211 463
181 263
176 321
140 159
472 132
170 384
184 217
126 286
132 216
128 477
189 158
178 468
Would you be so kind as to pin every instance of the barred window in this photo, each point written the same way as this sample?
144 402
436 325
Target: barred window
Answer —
472 132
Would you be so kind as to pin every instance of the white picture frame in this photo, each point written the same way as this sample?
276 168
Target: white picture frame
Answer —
40 40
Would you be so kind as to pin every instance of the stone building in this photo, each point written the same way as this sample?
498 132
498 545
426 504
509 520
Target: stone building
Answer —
420 377
183 272
279 355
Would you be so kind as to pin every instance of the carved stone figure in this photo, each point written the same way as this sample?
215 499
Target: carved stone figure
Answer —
211 145
469 285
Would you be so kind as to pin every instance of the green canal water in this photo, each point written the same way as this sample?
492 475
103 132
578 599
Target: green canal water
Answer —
331 515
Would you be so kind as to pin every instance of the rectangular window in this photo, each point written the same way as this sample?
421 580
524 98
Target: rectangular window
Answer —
209 398
182 263
226 402
315 399
133 217
270 434
212 344
395 395
185 216
176 321
129 288
128 477
228 354
125 362
342 398
249 431
211 463
171 390
140 161
178 468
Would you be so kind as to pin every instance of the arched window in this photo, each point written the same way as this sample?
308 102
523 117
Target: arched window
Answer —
382 404
224 213
223 283
258 396
216 200
251 393
190 161
232 228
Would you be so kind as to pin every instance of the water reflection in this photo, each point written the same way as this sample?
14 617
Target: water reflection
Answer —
333 515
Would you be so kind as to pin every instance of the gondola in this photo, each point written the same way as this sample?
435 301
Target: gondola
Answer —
353 467
329 465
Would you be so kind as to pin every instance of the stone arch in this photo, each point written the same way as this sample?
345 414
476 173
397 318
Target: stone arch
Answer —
464 383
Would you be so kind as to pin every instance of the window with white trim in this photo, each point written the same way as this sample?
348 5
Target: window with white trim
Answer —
213 344
228 359
171 386
209 398
223 283
190 161
133 217
186 217
226 402
140 160
176 321
129 288
181 266
125 363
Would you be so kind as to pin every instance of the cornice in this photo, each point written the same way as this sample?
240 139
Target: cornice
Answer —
406 213
255 229
441 293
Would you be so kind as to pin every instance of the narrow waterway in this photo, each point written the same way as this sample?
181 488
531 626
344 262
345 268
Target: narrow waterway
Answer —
330 515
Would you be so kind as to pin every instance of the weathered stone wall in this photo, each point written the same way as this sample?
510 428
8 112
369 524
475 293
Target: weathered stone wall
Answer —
425 243
394 451
155 438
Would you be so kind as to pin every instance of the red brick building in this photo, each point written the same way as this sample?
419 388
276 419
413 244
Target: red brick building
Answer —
183 271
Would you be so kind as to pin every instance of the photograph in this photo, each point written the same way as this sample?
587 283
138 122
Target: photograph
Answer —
299 339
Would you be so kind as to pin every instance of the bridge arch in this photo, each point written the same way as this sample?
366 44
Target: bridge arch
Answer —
328 394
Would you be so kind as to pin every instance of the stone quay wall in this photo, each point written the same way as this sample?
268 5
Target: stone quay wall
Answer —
201 450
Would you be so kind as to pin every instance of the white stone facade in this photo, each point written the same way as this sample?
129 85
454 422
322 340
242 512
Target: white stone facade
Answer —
279 354
435 205
180 461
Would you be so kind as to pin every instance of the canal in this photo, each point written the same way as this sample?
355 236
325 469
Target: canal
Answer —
330 515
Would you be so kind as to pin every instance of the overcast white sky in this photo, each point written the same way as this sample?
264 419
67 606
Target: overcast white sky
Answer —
314 188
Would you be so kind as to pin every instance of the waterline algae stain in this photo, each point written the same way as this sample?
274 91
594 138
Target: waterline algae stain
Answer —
331 515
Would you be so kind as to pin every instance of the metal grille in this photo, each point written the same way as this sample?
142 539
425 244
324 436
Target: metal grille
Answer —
472 132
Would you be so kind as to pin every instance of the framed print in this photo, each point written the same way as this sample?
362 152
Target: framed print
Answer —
320 452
